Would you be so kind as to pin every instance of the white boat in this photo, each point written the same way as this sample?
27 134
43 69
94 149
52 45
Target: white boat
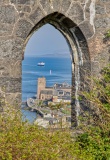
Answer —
41 64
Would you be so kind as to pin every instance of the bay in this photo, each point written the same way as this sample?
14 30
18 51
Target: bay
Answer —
60 72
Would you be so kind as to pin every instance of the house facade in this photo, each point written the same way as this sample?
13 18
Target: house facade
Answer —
56 93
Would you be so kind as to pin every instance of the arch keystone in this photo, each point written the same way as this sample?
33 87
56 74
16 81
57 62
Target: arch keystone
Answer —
87 29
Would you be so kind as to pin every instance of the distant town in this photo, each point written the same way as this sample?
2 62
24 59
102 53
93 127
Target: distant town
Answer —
53 104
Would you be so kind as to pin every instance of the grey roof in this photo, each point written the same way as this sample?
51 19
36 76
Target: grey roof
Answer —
57 92
49 87
64 97
62 86
48 92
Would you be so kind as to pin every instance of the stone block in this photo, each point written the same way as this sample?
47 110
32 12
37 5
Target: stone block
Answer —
100 9
3 70
85 50
20 1
23 28
10 85
56 5
13 1
104 0
65 6
76 13
11 48
102 22
5 29
10 68
14 99
108 8
68 23
27 9
86 29
8 14
36 16
4 2
46 6
6 48
95 67
18 47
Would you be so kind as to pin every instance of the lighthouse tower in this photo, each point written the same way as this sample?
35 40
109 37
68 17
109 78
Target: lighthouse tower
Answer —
41 84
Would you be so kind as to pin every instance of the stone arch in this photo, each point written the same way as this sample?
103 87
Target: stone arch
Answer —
78 48
84 23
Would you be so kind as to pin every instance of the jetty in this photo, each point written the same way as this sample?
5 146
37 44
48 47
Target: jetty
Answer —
34 107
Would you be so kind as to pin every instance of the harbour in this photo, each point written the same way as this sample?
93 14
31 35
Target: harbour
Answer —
31 72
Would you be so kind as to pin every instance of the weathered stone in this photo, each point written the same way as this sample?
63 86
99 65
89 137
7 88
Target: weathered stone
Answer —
56 5
21 14
6 45
19 8
65 6
20 1
13 1
18 45
86 29
104 1
14 99
108 8
13 47
5 29
7 14
4 1
95 45
10 85
76 13
95 67
85 51
68 23
23 28
100 9
10 68
36 16
46 6
27 9
86 8
103 22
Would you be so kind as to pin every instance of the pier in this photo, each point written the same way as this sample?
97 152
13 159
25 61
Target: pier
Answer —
32 105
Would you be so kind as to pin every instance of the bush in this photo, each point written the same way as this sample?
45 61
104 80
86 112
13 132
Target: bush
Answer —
23 141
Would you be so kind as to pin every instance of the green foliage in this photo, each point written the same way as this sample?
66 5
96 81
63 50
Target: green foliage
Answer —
108 33
96 138
99 95
96 143
22 141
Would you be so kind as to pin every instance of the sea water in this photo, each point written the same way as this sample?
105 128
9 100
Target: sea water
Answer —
56 70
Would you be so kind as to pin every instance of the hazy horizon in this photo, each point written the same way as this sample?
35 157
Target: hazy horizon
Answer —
47 42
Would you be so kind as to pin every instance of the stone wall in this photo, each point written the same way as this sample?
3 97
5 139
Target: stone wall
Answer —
84 24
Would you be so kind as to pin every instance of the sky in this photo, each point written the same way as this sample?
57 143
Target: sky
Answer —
47 42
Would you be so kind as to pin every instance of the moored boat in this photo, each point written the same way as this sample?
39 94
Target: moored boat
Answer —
41 64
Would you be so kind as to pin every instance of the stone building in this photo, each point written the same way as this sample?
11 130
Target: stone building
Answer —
56 93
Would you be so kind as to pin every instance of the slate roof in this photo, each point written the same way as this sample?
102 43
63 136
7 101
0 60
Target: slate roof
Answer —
62 86
64 97
48 92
